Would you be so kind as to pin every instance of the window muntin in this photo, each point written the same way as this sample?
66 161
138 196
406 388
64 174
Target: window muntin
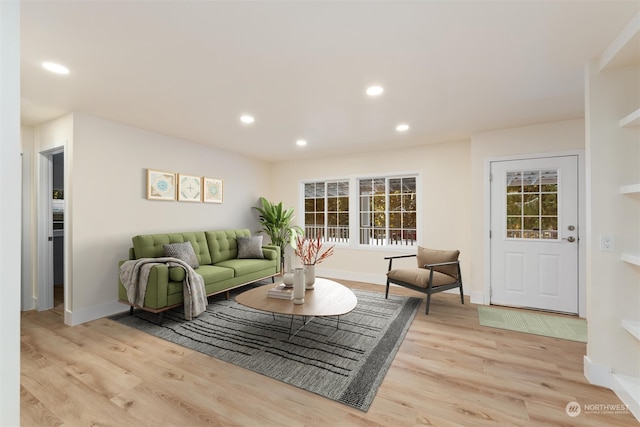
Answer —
532 204
326 210
387 211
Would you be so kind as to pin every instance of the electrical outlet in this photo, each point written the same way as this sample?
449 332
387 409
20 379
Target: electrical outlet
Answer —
607 243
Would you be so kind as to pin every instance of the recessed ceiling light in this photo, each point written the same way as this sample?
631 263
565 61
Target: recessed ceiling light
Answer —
55 68
374 90
247 119
301 142
403 127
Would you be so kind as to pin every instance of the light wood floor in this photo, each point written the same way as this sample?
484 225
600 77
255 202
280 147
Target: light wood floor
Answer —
449 371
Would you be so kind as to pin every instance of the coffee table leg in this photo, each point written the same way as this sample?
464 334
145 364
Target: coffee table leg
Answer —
305 322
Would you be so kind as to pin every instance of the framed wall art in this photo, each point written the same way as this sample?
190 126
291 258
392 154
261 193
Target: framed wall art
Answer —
161 185
189 188
212 191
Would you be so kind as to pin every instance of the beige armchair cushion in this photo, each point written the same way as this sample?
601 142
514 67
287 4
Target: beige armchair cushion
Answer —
419 277
434 256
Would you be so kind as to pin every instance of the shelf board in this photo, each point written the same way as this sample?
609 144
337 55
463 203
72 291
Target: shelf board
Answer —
632 326
630 189
632 120
628 390
630 258
623 50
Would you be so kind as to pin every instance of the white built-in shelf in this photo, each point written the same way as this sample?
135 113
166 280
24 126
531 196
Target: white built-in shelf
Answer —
630 189
633 327
630 258
632 120
623 50
628 390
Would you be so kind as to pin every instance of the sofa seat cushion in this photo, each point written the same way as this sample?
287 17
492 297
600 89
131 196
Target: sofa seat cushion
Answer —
242 267
420 277
210 274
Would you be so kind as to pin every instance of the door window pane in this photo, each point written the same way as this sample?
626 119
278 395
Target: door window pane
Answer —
532 204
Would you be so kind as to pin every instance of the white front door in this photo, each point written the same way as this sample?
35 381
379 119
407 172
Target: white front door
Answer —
534 233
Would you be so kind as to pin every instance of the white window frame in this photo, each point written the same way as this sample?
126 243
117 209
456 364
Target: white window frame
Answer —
326 206
354 213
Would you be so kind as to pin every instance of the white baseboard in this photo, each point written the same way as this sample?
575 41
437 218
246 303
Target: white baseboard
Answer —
477 298
377 279
597 374
76 317
34 304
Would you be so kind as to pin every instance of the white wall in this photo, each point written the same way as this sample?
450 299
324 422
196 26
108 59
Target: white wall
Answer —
29 221
106 205
544 138
10 213
444 169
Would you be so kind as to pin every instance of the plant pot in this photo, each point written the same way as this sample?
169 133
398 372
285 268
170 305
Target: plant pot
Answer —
309 275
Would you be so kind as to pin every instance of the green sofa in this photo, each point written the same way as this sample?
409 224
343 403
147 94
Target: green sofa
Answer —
217 253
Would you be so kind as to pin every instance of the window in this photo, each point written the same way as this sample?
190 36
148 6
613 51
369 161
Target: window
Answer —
388 211
532 204
383 210
326 210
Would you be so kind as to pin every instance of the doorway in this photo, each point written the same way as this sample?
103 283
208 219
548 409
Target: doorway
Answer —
534 249
51 225
57 217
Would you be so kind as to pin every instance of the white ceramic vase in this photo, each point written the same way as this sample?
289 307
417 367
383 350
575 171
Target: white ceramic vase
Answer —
298 286
309 275
287 277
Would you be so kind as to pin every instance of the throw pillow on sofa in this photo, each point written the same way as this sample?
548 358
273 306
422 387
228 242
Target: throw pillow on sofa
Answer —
183 251
250 247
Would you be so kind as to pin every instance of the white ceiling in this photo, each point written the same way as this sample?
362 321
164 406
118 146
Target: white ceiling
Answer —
190 68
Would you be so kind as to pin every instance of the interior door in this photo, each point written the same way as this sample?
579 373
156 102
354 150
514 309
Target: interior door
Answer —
534 233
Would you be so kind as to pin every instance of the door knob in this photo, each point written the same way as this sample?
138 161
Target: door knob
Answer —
570 239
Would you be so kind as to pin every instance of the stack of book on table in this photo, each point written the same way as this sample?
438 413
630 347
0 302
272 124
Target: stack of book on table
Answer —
280 291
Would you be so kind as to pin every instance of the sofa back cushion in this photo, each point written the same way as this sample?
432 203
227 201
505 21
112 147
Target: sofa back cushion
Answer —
223 244
152 245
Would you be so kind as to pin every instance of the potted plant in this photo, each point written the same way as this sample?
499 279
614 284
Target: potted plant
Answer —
277 224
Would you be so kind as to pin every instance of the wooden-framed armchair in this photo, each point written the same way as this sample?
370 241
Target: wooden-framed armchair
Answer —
436 271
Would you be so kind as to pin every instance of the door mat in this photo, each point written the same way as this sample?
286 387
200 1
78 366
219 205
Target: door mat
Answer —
548 325
345 364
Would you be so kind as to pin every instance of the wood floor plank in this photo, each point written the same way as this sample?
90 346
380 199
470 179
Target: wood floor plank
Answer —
449 371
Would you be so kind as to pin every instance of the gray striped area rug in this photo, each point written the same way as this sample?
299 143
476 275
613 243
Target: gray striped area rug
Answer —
344 361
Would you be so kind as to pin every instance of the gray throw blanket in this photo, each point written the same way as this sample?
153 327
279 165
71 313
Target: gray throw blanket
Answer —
134 275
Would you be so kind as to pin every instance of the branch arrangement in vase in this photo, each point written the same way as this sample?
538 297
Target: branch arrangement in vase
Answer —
310 252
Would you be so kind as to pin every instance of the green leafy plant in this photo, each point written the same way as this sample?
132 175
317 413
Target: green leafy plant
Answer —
277 224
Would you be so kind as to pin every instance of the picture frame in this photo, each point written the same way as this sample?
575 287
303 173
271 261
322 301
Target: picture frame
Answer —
212 190
189 188
161 185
